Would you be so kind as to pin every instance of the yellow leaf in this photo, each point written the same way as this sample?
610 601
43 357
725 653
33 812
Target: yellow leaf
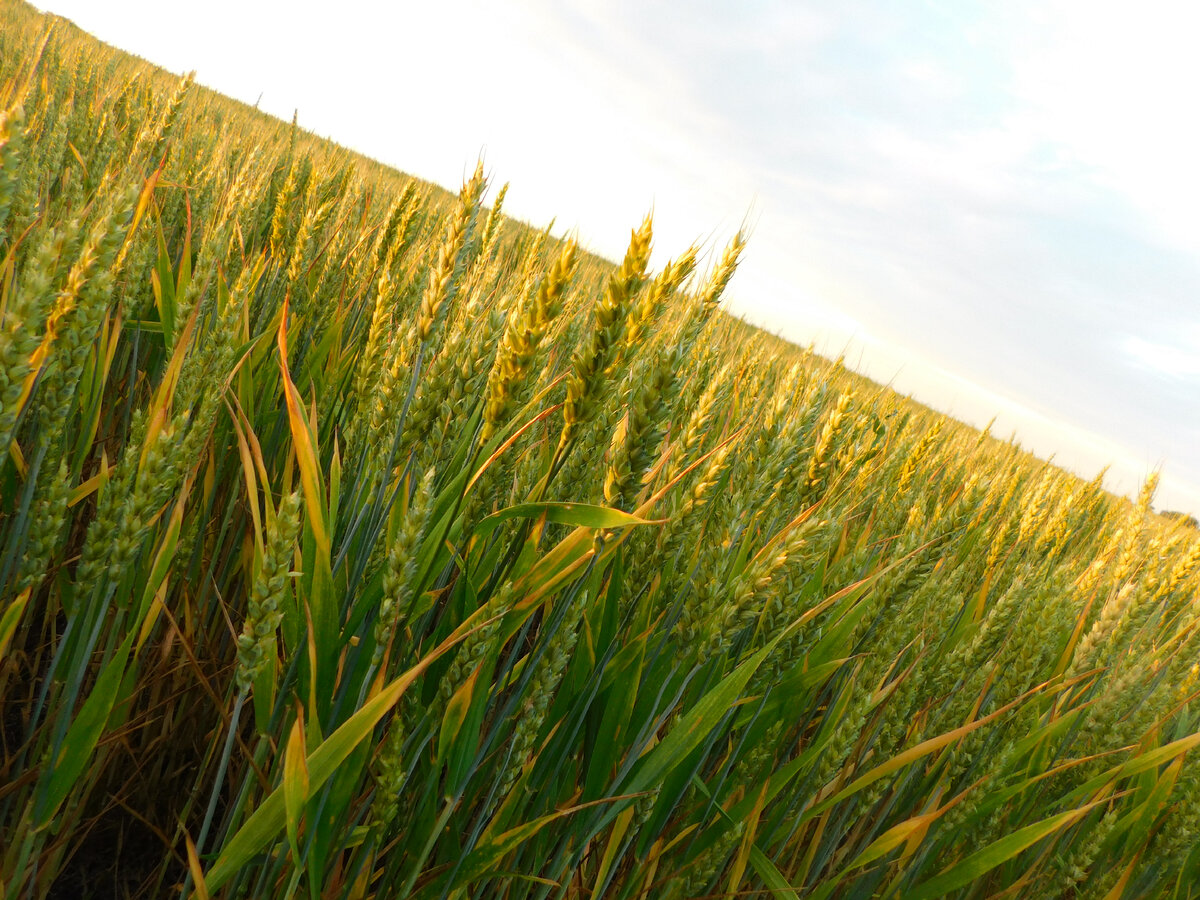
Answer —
12 615
456 713
304 444
747 844
295 783
195 868
14 450
93 484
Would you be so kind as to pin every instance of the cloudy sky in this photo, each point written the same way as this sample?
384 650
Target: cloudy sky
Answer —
991 206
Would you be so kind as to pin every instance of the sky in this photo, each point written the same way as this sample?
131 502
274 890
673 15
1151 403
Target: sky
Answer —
988 205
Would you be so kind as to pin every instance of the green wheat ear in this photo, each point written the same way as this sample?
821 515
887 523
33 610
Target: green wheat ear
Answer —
592 358
265 609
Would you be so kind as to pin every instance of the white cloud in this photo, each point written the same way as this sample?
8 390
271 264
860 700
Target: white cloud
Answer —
1114 85
1166 359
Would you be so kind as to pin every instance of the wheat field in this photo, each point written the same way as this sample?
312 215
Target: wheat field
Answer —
357 541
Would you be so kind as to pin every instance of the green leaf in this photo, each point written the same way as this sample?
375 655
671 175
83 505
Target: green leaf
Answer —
759 861
695 725
787 693
623 676
994 854
264 824
64 770
580 514
1142 762
492 850
163 282
458 740
771 876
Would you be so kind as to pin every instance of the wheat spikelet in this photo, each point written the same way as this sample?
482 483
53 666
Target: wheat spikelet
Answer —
591 360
